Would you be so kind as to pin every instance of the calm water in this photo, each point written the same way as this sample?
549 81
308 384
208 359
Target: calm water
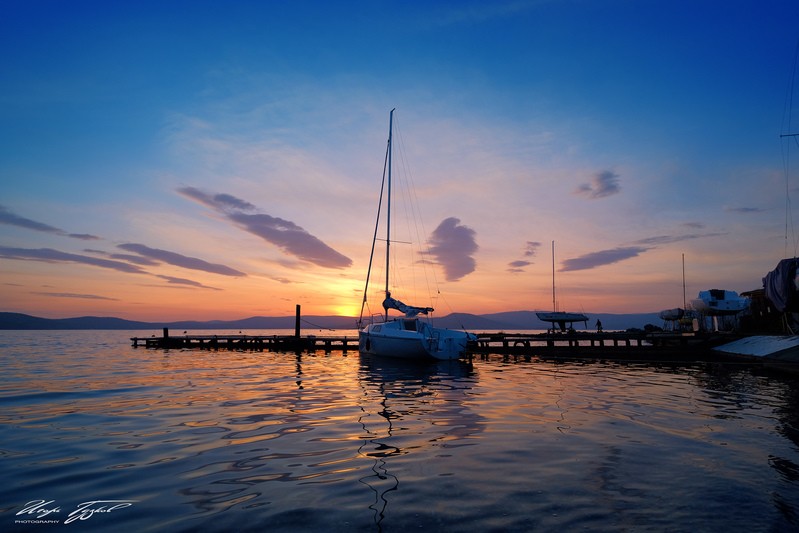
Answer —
238 441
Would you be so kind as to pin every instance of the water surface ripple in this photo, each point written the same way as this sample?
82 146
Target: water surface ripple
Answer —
254 441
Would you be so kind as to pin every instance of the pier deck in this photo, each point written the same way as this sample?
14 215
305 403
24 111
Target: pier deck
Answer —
249 342
610 344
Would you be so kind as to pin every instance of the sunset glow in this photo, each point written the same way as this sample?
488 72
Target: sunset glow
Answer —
226 162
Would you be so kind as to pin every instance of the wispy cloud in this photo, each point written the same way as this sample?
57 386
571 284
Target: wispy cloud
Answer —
604 257
286 235
183 261
530 250
669 239
744 210
12 219
49 255
605 183
75 295
694 225
187 282
516 267
615 255
452 246
129 258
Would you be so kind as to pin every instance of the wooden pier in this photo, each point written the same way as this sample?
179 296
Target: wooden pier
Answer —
622 345
273 343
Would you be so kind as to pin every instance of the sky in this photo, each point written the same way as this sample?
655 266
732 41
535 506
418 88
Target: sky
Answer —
207 160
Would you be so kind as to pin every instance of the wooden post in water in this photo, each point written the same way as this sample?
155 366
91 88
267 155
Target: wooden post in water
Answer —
297 323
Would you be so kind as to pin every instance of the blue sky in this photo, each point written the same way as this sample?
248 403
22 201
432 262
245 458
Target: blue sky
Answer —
150 150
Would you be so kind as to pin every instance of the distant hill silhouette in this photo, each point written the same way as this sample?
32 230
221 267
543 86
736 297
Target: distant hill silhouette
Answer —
508 321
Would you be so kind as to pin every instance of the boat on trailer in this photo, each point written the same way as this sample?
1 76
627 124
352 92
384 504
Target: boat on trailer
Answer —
561 318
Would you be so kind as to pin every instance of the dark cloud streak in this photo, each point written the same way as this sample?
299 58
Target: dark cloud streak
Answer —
182 281
286 235
670 239
743 210
48 255
12 219
183 261
601 258
75 295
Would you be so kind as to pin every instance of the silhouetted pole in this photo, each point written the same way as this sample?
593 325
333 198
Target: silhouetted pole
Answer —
297 323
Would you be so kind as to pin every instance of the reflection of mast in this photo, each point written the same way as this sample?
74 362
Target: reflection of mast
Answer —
381 482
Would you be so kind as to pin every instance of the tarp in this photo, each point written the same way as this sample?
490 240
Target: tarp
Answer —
780 286
409 310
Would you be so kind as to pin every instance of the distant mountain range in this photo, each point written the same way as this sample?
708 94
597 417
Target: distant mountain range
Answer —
508 321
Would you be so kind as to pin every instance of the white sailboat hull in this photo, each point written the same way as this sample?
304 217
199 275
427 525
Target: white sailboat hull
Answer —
562 316
717 302
414 339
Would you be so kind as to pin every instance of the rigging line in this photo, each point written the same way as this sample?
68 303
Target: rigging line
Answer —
404 188
374 238
414 218
317 326
418 220
787 132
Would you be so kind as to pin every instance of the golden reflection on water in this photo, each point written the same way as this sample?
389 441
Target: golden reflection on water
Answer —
349 442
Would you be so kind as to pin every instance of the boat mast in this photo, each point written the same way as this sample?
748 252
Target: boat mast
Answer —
554 306
374 237
388 204
684 304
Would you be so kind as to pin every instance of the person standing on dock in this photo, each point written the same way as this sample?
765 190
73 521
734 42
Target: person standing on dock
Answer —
598 326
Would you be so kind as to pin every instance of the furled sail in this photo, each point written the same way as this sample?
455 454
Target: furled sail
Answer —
409 310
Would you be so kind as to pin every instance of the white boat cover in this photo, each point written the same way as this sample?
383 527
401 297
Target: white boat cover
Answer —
780 286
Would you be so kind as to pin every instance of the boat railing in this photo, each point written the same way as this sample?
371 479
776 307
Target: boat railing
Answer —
376 318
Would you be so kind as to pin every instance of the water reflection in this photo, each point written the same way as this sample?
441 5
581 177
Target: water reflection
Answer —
319 442
403 399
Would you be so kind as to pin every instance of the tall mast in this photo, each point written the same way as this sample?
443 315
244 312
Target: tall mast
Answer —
388 205
554 306
683 282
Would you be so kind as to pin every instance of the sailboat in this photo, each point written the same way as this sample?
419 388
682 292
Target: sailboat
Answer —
408 336
561 318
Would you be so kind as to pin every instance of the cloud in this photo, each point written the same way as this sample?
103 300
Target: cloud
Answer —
694 225
519 264
604 257
75 295
179 260
286 235
220 202
605 183
137 259
516 267
182 281
12 219
531 248
452 246
669 239
607 257
49 255
129 258
743 210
